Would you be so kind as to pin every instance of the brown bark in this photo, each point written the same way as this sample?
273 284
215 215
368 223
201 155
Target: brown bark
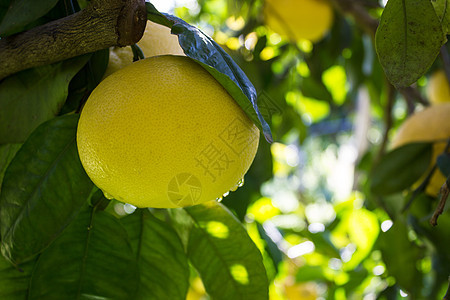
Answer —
104 23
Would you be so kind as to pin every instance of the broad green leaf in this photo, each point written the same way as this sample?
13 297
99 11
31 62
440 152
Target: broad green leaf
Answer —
92 259
401 256
43 189
400 168
408 40
442 8
163 265
22 12
226 258
7 153
34 96
14 282
4 4
202 48
310 273
443 163
363 230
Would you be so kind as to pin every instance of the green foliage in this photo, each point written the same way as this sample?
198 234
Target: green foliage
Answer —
408 40
45 178
163 265
34 96
389 175
93 257
235 271
20 13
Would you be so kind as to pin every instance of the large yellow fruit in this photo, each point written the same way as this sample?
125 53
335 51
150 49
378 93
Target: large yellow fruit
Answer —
299 19
299 291
429 125
156 40
438 89
163 132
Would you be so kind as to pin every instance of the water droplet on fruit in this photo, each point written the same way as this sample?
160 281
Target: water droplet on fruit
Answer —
240 182
238 185
226 194
219 199
108 196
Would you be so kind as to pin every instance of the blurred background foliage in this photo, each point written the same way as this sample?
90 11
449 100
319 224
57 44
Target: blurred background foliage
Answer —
307 201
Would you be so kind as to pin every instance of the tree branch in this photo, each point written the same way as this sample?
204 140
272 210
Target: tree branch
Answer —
104 23
359 13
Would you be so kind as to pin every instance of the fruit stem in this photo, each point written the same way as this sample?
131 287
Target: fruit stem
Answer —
137 52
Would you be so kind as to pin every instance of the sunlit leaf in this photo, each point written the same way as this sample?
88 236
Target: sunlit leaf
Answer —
163 265
218 246
363 230
34 96
43 189
400 168
408 40
92 259
197 45
401 256
22 12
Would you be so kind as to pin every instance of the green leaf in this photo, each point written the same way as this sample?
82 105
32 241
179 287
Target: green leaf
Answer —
442 8
7 153
229 263
22 12
443 163
310 273
408 40
401 257
163 265
34 96
14 281
43 189
400 168
202 48
92 259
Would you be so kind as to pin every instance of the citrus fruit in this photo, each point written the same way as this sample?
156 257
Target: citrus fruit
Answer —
299 291
299 19
429 125
156 40
162 132
438 89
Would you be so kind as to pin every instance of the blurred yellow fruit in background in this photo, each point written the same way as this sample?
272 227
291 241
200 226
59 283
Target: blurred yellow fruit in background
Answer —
157 40
299 19
429 125
438 88
299 290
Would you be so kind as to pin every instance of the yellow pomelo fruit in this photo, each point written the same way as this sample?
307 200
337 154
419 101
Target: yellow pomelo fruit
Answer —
299 291
156 40
429 125
438 89
299 19
163 132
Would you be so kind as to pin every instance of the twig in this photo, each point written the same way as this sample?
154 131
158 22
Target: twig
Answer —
444 192
420 189
104 23
441 205
387 119
356 9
